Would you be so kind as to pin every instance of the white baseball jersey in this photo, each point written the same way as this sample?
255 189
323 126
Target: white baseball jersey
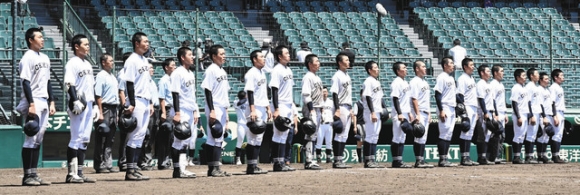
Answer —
446 86
216 80
484 91
242 111
546 99
282 79
79 73
328 111
420 91
35 67
372 88
400 89
342 85
120 77
458 53
558 96
301 55
154 93
107 87
256 82
137 71
183 82
499 95
269 59
164 91
312 89
534 96
466 86
521 96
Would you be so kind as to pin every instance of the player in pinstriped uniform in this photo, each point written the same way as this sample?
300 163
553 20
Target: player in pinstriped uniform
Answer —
341 90
36 99
560 106
499 105
485 98
257 93
520 98
548 112
164 139
445 92
80 82
312 98
372 96
107 100
420 94
401 109
281 86
137 78
185 107
216 86
467 94
535 109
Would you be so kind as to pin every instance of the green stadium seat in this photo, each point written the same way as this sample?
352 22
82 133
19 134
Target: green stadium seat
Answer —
463 40
575 52
456 33
508 27
442 40
533 53
495 45
527 16
512 16
391 45
480 45
333 51
538 28
252 44
396 52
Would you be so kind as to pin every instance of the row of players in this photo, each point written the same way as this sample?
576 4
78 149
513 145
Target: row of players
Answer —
409 102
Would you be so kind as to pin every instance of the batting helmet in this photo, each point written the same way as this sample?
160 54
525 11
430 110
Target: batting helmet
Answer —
337 126
103 128
418 129
494 126
549 129
465 124
568 127
200 134
257 126
385 115
80 97
460 109
32 125
308 126
127 123
166 126
216 128
406 126
182 131
282 123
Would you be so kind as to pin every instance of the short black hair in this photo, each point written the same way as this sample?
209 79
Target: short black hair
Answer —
213 50
445 61
104 58
76 40
126 56
517 73
339 58
166 63
309 59
181 52
481 69
369 65
530 72
465 62
555 73
397 66
543 74
416 64
30 35
241 94
495 69
456 42
254 55
278 51
137 37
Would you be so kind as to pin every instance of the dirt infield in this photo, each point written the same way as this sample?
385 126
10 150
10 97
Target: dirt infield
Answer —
494 179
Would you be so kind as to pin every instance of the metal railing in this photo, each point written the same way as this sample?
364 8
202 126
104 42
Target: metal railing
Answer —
72 25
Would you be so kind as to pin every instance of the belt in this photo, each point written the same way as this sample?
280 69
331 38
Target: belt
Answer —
347 105
156 107
143 97
110 106
425 112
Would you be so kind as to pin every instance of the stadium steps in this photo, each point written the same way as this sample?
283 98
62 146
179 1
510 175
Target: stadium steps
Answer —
256 25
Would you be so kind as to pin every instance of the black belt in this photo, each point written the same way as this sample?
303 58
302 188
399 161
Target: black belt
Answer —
142 97
109 106
156 107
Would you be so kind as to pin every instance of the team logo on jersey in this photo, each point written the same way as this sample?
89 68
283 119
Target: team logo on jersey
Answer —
85 72
547 96
377 89
189 83
346 84
261 82
487 90
222 78
522 96
470 87
41 65
143 69
449 84
560 95
424 88
287 77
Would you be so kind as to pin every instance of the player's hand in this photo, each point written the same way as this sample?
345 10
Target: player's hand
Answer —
486 116
151 110
520 122
212 116
269 114
442 116
78 107
276 114
177 118
556 121
195 120
411 118
337 113
374 118
96 114
400 117
52 109
31 110
253 116
129 110
533 120
545 121
313 115
295 129
506 119
163 116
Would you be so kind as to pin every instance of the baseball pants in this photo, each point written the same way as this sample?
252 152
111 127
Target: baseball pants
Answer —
221 116
41 106
103 151
373 129
446 128
81 128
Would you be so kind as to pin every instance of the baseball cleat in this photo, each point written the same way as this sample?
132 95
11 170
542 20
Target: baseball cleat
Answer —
143 177
400 164
530 160
446 163
544 159
484 161
466 161
87 180
102 171
312 166
255 170
517 160
184 174
74 179
132 176
373 165
559 160
42 182
29 181
422 164
340 165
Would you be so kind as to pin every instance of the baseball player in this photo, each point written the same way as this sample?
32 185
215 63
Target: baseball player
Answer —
499 106
281 84
149 141
520 98
303 52
268 55
216 86
291 132
401 107
560 106
358 111
341 90
371 96
257 93
548 112
535 109
80 82
36 99
107 100
137 80
325 128
312 98
445 93
420 94
485 99
242 111
185 107
467 95
122 162
163 139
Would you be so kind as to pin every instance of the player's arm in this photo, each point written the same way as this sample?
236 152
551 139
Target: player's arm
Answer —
28 95
122 97
275 98
482 106
495 107
177 117
438 97
397 108
336 107
253 114
52 108
131 92
416 107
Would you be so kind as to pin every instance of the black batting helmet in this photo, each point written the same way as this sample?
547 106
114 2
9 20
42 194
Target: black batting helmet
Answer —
282 123
406 126
385 115
216 128
337 125
103 128
549 129
418 129
460 109
464 125
257 126
127 123
166 126
308 126
182 131
32 125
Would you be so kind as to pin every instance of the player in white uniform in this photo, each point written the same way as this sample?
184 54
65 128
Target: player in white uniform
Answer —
36 99
136 76
242 111
445 93
535 109
122 162
560 106
467 94
259 109
146 158
164 139
303 52
268 56
341 90
186 110
372 96
485 112
312 98
325 129
548 112
79 79
216 86
420 94
499 106
401 108
281 85
520 98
